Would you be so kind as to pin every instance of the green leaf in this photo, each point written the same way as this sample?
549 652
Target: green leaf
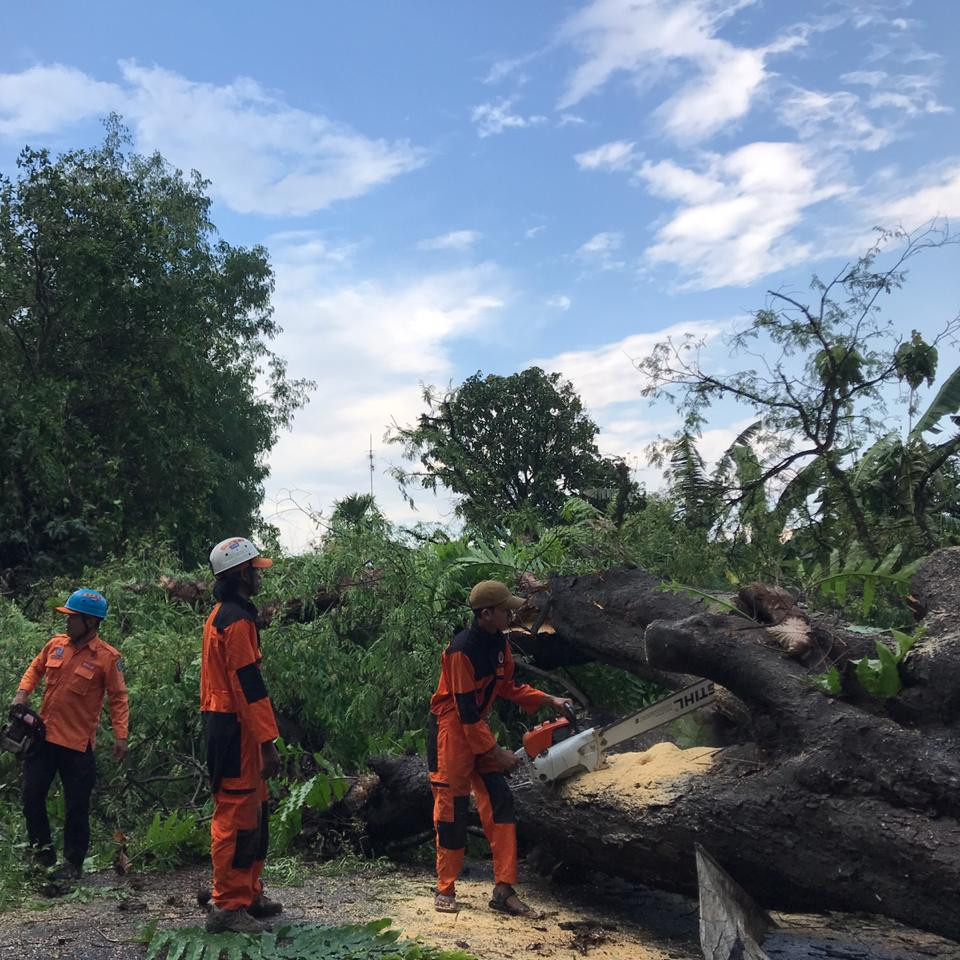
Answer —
869 592
840 589
828 682
886 565
905 642
196 951
880 677
947 401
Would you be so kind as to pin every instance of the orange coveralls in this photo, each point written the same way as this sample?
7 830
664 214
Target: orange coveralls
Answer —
238 717
477 667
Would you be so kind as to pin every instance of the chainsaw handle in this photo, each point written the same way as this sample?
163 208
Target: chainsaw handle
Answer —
569 713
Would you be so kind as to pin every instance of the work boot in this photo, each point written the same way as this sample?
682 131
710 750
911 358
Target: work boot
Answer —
264 907
233 921
44 857
68 871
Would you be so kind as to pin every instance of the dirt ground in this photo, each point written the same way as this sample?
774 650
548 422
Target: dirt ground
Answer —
103 918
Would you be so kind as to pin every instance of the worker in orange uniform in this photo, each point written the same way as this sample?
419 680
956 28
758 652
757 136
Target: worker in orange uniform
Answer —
240 730
77 668
462 752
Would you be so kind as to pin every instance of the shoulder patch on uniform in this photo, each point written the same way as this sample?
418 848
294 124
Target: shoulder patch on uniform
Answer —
120 664
57 653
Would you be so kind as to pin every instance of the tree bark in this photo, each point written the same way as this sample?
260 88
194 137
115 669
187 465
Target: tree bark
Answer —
825 804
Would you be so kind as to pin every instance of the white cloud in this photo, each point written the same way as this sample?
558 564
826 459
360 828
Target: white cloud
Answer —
642 38
367 344
937 196
606 379
616 155
494 117
455 240
570 119
511 67
835 120
261 154
560 302
599 251
843 120
736 218
601 243
534 231
311 248
44 99
668 179
605 376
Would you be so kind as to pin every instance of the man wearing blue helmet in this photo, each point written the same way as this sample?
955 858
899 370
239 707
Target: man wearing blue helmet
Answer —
78 669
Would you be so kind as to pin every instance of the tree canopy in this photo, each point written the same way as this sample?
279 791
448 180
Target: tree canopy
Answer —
824 372
138 395
514 447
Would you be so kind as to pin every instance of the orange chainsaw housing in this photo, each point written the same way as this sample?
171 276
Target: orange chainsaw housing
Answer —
545 735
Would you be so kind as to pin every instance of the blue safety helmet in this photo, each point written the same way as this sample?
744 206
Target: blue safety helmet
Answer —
90 602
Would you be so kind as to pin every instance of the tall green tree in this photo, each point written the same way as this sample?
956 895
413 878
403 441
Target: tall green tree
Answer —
138 396
826 371
513 448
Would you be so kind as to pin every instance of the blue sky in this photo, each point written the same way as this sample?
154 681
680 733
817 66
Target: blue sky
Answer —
452 186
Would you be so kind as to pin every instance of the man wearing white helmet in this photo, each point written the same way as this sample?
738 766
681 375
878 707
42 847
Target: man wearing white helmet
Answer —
240 729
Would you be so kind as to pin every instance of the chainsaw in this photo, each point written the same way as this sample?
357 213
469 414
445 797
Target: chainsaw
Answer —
24 732
557 750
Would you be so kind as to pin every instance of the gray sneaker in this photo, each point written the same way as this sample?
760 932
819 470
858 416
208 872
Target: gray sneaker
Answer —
233 921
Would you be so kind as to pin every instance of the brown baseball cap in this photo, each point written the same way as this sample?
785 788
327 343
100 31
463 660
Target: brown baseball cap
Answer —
493 593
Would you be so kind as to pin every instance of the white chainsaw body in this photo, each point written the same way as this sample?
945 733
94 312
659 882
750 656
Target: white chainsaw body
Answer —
585 751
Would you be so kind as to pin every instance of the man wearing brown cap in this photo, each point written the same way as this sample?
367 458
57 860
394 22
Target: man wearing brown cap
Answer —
462 752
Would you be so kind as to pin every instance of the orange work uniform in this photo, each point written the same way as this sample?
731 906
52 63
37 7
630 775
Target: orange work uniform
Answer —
76 679
477 667
239 719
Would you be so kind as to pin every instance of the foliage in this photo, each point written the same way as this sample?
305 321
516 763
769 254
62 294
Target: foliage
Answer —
137 392
513 448
293 942
712 599
880 677
855 568
828 682
829 369
297 793
170 840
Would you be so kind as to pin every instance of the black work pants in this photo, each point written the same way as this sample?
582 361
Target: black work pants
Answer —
78 773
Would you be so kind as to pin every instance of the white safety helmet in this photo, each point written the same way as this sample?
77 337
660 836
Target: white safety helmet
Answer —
232 552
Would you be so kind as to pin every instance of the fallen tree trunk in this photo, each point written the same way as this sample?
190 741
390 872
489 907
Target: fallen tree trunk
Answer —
827 804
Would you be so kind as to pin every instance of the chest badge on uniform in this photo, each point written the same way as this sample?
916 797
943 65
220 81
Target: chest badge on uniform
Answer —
87 665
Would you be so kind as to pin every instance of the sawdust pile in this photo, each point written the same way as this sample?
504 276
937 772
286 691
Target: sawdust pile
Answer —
652 778
561 933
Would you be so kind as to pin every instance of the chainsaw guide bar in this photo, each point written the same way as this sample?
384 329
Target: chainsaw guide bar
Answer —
557 752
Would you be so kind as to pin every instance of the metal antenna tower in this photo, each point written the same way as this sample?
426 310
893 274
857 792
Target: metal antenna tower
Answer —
370 456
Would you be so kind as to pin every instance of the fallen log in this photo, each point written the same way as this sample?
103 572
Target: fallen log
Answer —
826 804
